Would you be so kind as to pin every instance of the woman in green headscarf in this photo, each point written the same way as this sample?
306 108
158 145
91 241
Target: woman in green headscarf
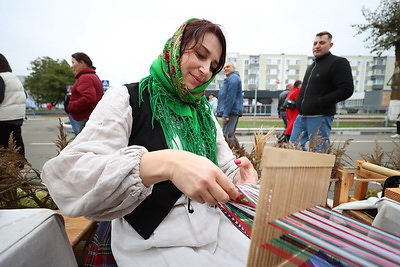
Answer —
153 160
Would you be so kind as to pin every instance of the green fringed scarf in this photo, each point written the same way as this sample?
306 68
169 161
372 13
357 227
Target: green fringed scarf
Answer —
184 114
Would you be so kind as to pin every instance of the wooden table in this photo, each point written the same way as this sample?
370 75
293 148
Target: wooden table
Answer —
78 229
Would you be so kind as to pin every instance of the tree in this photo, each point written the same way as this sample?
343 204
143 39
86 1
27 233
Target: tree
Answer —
48 80
384 27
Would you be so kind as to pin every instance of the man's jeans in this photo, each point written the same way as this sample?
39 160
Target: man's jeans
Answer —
308 127
73 124
229 128
81 124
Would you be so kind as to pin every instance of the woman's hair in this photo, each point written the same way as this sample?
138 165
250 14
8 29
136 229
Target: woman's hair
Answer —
194 34
79 56
4 66
296 84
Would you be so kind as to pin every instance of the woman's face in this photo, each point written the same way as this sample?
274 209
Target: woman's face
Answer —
77 66
198 63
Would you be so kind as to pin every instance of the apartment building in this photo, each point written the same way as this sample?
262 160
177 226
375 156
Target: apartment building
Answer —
266 75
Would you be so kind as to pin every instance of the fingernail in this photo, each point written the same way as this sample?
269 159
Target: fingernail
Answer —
237 161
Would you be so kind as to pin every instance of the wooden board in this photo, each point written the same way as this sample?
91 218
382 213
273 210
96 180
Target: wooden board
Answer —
393 193
78 228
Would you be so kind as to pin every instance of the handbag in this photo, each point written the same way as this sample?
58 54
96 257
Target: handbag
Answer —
289 103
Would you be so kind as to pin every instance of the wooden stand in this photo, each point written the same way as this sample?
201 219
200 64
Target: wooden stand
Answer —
365 172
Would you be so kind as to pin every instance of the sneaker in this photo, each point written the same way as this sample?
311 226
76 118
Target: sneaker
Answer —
395 136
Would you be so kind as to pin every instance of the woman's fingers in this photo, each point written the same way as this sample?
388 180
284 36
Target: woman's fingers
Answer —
248 174
196 176
228 188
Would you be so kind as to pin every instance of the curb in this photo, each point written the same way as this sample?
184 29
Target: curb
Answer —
340 131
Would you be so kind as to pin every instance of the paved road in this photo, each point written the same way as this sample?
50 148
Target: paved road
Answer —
40 132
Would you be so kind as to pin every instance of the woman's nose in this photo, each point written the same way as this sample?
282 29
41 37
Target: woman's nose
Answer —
205 68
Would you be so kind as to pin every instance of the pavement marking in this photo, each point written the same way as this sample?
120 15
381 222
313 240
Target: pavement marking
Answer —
42 144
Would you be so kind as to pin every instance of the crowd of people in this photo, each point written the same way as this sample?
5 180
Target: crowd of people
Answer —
166 216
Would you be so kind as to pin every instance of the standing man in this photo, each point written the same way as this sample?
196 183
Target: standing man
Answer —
230 101
328 80
281 107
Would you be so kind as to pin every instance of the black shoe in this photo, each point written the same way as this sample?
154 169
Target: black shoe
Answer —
284 139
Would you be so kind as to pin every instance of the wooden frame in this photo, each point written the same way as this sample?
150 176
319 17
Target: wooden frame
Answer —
291 181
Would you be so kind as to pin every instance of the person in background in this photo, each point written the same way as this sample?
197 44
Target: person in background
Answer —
214 103
291 113
230 101
12 106
153 159
282 108
327 81
87 90
397 135
73 123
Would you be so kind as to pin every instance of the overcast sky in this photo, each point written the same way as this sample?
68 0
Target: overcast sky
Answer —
123 37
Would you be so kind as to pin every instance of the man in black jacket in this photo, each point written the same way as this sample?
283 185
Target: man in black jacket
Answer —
328 80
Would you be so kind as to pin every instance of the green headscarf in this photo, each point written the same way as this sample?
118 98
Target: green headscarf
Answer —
182 113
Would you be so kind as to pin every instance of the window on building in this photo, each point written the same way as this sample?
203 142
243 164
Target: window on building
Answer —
254 60
254 70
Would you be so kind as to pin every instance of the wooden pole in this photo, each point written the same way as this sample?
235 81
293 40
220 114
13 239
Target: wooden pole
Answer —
379 169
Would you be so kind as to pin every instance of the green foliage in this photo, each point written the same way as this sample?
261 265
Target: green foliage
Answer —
383 25
372 193
48 80
38 199
384 28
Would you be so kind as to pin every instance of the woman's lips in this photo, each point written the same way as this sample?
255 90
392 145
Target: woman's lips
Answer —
196 79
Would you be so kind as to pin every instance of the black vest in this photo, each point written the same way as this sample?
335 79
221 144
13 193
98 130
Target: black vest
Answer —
150 213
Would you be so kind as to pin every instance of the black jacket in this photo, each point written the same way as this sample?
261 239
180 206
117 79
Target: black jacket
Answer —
327 81
281 100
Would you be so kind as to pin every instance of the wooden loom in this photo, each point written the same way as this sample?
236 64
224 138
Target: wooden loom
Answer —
291 181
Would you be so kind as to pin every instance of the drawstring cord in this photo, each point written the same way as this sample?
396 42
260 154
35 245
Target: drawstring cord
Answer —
190 208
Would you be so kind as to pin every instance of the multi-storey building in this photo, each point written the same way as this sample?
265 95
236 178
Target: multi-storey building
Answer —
265 76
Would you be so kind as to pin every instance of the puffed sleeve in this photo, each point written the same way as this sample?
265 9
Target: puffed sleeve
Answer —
97 175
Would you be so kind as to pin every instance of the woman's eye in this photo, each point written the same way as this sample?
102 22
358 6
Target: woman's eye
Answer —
200 55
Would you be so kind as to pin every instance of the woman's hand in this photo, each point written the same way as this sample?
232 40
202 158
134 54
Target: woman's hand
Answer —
196 176
247 173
